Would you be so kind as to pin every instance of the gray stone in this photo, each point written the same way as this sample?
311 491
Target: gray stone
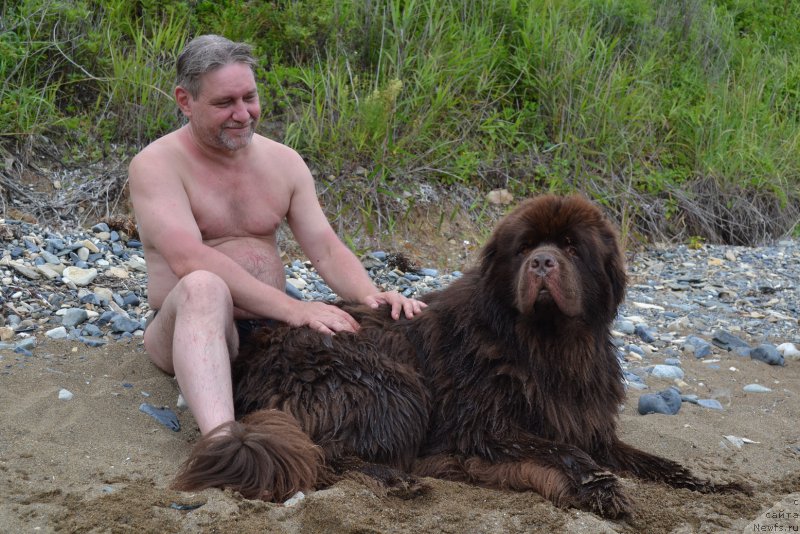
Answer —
624 326
669 372
74 317
712 404
697 346
768 354
666 402
756 388
727 341
120 323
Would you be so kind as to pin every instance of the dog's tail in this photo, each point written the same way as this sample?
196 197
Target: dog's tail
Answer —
265 456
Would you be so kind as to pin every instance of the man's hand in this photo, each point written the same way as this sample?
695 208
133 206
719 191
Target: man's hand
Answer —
398 302
323 318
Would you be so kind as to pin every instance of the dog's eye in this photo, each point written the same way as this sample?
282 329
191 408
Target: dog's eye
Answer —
569 246
524 249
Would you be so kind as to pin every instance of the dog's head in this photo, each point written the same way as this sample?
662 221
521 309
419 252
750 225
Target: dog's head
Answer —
556 257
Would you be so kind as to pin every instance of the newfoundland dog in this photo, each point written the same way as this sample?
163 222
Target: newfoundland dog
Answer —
508 380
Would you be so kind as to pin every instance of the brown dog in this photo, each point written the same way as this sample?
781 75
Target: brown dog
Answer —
508 379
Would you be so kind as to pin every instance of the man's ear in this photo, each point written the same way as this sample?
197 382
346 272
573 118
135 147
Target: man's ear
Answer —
183 98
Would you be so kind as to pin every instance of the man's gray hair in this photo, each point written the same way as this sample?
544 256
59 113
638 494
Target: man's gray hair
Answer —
206 53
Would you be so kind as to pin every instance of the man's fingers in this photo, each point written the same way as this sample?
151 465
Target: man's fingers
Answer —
319 326
348 320
372 302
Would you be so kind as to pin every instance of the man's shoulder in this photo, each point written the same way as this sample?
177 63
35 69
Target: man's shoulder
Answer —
161 158
161 146
274 147
279 156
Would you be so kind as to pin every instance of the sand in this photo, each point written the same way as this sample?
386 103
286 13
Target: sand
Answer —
95 463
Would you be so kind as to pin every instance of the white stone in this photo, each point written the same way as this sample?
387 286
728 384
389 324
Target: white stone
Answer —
65 394
78 276
57 333
50 271
646 306
500 197
104 294
137 263
756 388
789 351
117 272
298 283
7 333
90 246
294 499
24 270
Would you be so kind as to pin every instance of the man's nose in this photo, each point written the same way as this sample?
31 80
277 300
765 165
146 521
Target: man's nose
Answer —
240 113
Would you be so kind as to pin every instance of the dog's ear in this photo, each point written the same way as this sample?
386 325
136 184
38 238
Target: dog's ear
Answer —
615 270
488 253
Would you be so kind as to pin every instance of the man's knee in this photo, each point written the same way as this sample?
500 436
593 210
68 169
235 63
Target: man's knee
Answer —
201 288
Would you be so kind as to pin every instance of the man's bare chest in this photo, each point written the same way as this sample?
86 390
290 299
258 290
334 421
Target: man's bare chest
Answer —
226 208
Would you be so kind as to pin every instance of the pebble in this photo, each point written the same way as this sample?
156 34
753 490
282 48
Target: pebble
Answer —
78 276
756 388
768 354
697 346
625 326
644 333
713 404
163 415
789 351
670 372
727 341
666 402
295 499
58 332
65 394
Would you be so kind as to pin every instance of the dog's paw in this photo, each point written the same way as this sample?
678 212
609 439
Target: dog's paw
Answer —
409 487
388 481
732 487
600 493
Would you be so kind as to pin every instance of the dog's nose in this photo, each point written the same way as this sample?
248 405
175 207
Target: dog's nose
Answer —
543 263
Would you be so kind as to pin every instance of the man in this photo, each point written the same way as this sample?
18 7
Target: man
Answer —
209 198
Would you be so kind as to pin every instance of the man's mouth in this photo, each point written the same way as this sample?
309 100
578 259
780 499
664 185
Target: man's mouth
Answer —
237 126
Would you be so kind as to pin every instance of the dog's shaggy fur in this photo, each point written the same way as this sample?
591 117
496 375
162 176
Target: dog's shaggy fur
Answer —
508 379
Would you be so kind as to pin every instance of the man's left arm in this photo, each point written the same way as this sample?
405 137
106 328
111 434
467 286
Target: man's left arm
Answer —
335 262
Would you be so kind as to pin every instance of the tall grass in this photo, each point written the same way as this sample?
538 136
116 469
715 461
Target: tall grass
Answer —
654 108
96 70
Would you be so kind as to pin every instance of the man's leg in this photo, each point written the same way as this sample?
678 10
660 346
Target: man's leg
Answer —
194 337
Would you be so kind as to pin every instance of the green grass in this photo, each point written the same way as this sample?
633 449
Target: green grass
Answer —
682 118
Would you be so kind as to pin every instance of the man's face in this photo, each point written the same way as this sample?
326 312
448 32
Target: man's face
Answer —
225 113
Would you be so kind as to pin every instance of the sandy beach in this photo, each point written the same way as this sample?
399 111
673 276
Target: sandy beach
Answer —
96 463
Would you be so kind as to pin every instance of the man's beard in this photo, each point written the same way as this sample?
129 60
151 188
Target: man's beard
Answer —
235 142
